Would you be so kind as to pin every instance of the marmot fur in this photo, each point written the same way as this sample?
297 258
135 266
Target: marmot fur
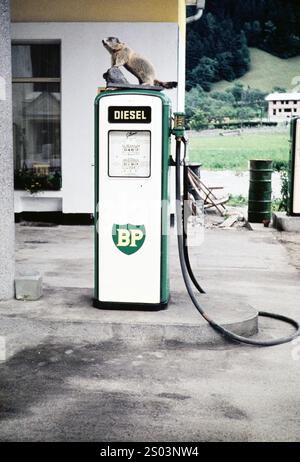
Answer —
140 67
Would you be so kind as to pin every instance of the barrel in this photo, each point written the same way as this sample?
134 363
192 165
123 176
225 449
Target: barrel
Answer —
260 191
196 168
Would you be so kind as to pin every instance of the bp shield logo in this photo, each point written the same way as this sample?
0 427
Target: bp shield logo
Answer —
128 238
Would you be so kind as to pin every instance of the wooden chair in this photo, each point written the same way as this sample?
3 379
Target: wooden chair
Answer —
207 194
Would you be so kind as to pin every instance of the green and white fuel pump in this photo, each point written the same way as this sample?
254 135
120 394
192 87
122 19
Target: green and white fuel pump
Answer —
131 196
294 170
133 129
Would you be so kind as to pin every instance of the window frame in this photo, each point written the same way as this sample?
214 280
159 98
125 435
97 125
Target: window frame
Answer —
20 80
38 79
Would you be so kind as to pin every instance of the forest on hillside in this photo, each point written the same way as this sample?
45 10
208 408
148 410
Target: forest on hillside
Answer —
218 44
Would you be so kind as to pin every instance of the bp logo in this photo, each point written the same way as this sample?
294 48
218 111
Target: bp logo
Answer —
128 238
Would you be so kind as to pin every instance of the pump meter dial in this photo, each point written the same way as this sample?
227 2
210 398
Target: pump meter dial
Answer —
129 153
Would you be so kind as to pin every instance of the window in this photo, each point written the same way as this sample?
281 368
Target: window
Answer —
274 111
36 115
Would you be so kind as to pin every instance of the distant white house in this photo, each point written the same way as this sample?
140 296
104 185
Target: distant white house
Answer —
283 106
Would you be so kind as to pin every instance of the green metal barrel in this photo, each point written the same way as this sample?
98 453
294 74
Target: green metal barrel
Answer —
260 191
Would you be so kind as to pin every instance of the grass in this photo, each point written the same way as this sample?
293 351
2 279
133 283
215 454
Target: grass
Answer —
217 152
267 71
241 201
237 201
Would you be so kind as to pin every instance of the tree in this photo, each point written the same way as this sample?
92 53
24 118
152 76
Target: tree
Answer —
235 103
226 72
199 120
203 74
193 100
278 90
229 27
237 91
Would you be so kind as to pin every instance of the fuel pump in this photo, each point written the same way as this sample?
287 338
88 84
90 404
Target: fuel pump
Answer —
294 170
133 128
131 195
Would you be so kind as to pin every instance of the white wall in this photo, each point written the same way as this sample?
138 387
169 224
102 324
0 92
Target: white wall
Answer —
283 116
84 60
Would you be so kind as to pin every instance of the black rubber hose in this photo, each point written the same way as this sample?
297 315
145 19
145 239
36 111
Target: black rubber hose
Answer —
185 246
220 329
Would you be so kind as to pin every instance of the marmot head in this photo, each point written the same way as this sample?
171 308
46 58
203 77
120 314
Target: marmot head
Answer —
112 44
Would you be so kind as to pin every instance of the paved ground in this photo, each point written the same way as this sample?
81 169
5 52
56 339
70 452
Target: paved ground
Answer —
65 383
291 241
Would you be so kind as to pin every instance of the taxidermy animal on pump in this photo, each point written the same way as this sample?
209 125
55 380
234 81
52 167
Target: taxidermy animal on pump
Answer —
140 67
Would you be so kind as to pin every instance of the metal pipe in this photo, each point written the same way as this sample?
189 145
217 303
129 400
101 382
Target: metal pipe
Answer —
200 9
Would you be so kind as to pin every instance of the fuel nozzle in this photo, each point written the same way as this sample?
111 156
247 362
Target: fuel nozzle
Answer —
179 124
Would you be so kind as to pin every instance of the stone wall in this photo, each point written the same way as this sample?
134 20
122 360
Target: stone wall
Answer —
6 159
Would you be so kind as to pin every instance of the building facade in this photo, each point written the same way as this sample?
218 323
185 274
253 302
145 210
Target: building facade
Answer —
283 106
58 62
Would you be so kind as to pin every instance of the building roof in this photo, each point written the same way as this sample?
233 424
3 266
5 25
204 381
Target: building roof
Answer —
283 96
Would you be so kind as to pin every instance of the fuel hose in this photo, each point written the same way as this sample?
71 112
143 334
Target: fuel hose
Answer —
189 277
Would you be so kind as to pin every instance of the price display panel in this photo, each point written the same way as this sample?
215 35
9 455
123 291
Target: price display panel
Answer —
129 154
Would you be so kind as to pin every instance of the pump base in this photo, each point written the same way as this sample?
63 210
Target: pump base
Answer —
129 306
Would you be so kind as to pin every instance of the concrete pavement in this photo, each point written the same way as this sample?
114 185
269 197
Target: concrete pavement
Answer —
64 255
65 382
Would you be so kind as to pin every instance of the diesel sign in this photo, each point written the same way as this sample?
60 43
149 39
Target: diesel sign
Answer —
129 114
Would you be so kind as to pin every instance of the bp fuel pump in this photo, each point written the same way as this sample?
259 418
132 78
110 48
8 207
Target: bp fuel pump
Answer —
133 129
131 195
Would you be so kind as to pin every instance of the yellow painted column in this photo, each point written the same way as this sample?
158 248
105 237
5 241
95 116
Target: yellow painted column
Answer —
182 18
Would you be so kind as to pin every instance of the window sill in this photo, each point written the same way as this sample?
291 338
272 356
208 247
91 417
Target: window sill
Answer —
42 193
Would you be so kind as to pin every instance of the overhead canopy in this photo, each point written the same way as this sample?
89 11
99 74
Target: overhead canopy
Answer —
99 10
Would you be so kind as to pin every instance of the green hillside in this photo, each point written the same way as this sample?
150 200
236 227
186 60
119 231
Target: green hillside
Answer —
267 72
